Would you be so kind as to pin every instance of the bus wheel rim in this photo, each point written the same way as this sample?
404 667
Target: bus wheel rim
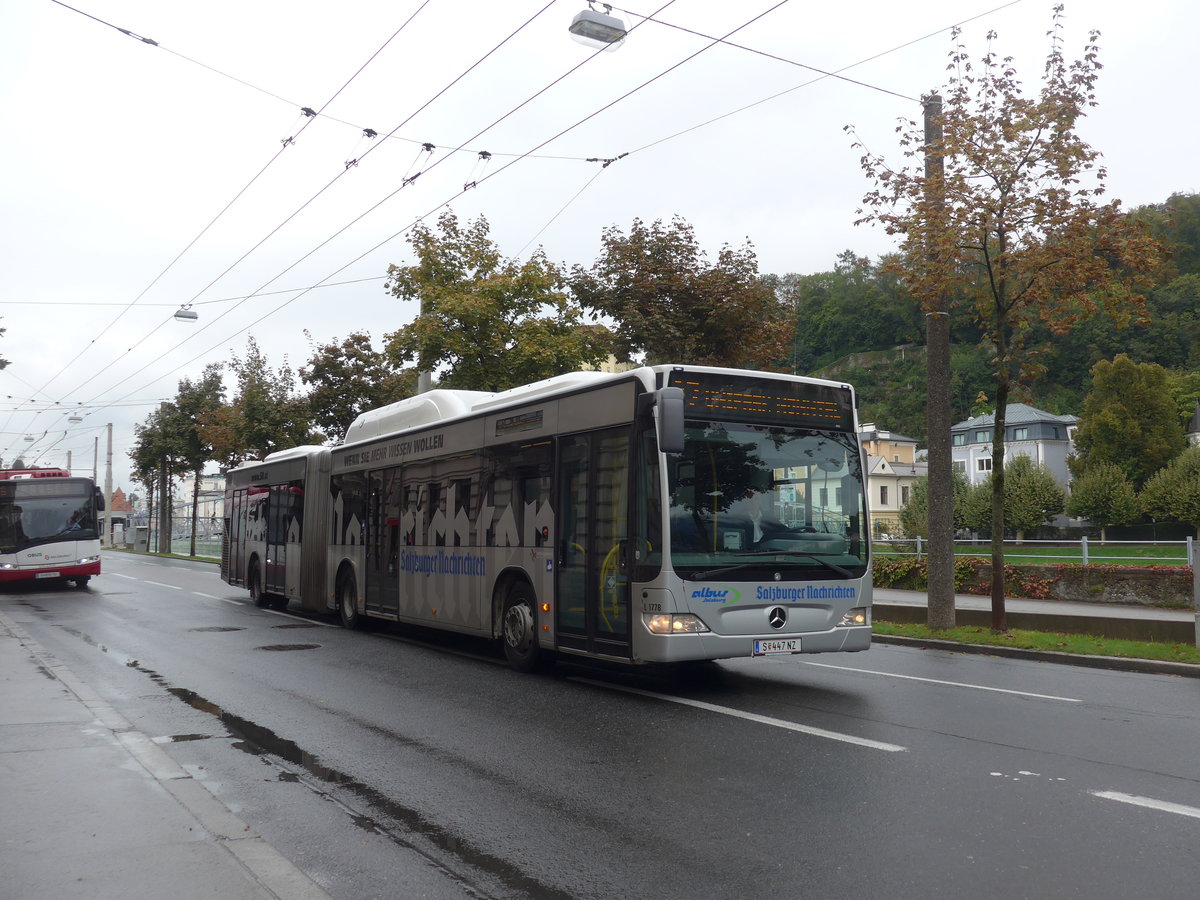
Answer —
518 627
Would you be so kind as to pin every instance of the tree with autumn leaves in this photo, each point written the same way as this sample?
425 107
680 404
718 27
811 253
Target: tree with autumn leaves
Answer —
1015 231
669 304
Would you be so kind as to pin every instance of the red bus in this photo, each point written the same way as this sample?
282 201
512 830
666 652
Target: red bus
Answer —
48 526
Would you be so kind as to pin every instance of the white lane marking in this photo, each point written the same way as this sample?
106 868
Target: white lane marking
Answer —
119 575
173 587
961 684
207 596
234 602
1148 802
754 717
276 612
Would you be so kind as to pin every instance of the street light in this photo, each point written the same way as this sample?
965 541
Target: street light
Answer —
598 29
186 314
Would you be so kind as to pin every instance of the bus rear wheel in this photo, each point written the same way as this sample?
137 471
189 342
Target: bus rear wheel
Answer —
81 582
254 583
348 602
519 628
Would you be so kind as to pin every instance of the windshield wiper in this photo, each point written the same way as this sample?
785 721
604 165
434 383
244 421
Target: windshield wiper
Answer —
845 573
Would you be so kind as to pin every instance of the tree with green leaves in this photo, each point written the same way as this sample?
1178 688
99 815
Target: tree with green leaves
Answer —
198 402
670 305
1017 229
487 323
349 377
1104 496
1173 493
1032 498
265 414
1129 419
914 518
160 454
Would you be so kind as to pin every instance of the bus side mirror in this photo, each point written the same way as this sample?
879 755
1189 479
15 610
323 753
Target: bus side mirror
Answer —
99 499
670 420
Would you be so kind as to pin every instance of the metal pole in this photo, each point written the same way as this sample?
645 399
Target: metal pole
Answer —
1196 597
108 515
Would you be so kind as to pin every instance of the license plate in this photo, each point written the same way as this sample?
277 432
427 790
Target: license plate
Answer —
764 648
46 575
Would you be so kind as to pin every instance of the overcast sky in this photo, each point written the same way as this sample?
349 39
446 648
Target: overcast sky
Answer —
142 177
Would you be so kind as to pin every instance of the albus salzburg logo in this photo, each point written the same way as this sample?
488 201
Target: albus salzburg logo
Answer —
716 595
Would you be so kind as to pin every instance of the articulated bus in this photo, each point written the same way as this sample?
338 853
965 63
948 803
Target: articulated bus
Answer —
663 514
48 526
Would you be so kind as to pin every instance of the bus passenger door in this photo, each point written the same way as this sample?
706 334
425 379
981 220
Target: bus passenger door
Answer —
382 588
278 510
592 547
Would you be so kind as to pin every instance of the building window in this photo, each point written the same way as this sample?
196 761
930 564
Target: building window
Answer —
983 464
904 495
883 495
1021 434
960 465
981 437
959 440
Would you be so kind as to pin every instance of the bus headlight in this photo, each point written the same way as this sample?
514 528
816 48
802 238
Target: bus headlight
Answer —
860 615
89 559
7 566
675 623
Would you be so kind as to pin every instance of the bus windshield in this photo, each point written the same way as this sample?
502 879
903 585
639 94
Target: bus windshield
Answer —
753 500
39 512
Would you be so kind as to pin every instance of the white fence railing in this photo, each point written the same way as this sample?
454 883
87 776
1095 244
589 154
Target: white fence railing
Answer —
1085 550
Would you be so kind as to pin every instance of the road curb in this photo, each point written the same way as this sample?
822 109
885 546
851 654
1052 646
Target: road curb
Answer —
1119 663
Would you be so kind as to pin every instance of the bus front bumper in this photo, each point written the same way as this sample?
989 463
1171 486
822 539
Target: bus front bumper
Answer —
73 569
709 645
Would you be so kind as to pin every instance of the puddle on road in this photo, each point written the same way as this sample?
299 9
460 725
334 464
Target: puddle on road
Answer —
215 628
284 647
298 625
262 742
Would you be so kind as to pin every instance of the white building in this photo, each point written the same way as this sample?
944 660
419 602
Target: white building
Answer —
1044 437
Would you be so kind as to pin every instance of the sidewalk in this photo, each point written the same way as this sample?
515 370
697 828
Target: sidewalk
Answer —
1142 623
93 808
1111 620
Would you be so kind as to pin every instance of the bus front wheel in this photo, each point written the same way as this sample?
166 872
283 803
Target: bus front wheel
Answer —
519 628
348 602
81 582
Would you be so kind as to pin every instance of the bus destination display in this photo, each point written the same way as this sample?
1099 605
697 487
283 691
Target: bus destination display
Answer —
737 398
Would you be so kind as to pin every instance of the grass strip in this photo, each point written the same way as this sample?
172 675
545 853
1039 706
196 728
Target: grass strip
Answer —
1044 640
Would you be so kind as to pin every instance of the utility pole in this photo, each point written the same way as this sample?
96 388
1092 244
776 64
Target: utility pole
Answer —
940 610
108 515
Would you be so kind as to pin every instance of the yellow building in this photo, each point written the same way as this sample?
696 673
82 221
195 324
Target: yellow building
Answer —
892 468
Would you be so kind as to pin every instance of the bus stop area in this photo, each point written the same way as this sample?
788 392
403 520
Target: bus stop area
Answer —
94 808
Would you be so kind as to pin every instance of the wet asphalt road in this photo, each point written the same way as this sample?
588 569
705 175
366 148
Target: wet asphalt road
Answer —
395 764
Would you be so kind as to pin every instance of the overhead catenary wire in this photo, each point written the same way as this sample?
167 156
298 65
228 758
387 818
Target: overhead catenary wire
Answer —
519 158
408 180
713 42
404 184
288 142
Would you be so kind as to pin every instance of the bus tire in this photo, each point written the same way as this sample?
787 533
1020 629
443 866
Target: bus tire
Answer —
518 628
81 582
254 583
347 596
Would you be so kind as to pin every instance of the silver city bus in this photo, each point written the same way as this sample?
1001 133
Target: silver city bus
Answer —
663 514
